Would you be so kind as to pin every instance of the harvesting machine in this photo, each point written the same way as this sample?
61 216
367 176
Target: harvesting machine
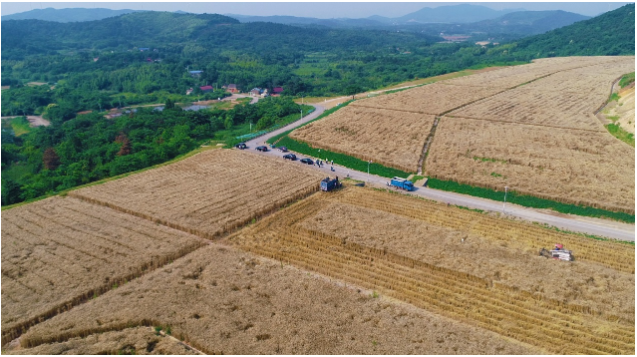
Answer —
558 253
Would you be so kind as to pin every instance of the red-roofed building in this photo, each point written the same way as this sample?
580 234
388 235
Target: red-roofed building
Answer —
277 90
206 89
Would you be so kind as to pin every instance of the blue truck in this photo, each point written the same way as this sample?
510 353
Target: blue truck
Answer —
402 184
328 184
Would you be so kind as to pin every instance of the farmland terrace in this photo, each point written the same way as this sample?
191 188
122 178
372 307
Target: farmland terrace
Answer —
302 272
531 128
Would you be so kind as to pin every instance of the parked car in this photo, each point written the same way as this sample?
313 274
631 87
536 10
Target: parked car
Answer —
283 149
307 161
290 157
262 148
241 146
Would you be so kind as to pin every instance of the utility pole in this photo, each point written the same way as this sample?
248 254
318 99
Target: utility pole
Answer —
506 188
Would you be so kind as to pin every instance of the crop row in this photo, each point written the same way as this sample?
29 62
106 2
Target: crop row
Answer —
567 329
613 255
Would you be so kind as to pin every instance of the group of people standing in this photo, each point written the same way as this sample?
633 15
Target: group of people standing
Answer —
320 163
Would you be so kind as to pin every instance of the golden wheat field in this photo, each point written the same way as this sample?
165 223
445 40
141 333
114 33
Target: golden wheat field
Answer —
223 301
539 107
434 99
529 311
129 341
572 166
391 138
58 252
510 77
208 194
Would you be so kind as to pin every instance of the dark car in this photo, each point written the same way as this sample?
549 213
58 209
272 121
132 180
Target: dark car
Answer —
283 149
307 161
262 148
290 157
241 146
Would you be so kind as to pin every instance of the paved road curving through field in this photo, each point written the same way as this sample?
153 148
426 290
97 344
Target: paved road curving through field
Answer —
573 223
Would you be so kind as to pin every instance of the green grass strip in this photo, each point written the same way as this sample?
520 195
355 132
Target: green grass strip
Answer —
529 201
341 159
621 134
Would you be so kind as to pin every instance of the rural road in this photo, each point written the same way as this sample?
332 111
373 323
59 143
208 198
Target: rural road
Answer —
573 223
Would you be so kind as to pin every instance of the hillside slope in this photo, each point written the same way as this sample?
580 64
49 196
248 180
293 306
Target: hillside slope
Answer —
610 34
529 22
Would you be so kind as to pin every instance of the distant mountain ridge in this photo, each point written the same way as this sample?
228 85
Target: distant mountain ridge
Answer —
528 22
68 15
463 13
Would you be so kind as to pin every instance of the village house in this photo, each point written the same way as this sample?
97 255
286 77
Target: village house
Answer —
188 91
206 89
232 88
276 91
195 74
255 92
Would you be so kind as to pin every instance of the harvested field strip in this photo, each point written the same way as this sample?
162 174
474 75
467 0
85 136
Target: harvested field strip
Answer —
570 166
391 138
209 194
455 295
611 254
55 255
239 301
433 99
493 120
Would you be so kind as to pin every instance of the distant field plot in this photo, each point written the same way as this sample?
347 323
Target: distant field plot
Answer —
571 166
391 138
509 77
524 105
432 99
593 80
223 301
61 251
468 266
208 194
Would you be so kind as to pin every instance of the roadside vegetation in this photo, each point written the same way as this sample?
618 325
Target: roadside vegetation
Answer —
528 201
90 147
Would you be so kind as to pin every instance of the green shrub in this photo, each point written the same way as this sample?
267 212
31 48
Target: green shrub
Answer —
627 79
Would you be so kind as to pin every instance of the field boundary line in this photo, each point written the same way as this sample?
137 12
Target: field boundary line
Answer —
525 124
20 329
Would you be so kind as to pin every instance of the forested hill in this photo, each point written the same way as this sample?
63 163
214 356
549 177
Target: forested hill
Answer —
143 29
170 31
67 15
612 33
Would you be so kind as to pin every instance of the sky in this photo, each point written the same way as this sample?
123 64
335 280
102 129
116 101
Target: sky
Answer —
309 9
